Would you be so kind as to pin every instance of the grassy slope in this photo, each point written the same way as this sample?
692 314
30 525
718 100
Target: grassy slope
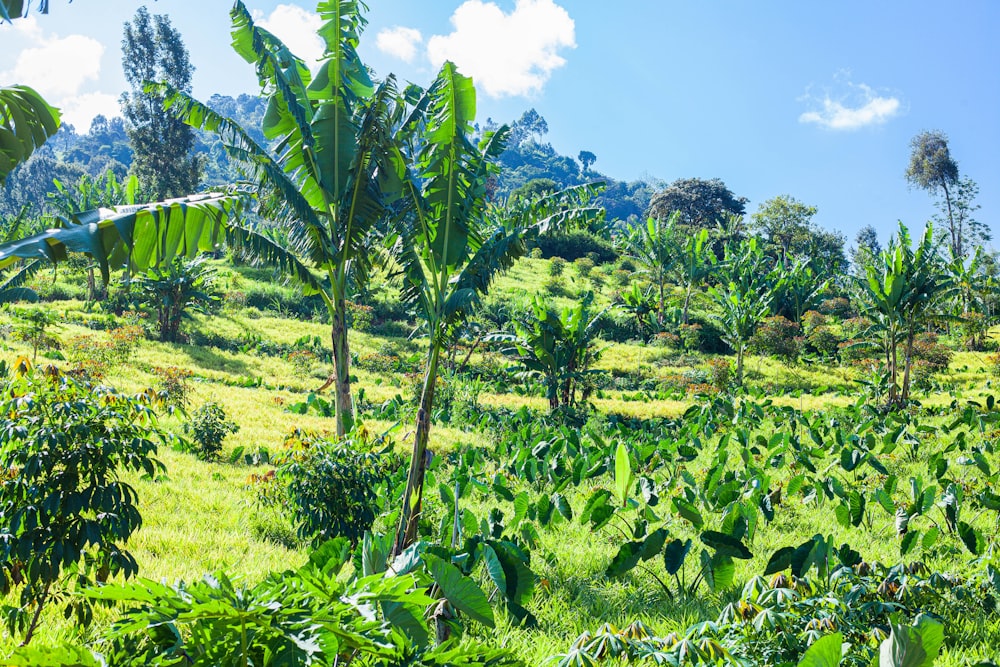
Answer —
201 516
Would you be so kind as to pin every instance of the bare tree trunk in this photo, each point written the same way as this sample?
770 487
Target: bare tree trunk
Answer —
341 366
409 518
687 300
908 359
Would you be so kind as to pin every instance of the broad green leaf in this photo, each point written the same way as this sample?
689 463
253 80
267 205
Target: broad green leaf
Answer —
726 545
460 590
826 651
674 555
623 474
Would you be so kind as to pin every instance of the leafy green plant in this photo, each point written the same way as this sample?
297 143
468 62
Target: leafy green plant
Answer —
208 427
559 347
34 330
335 489
65 516
173 292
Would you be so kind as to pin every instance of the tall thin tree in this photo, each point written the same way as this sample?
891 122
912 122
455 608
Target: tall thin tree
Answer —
152 50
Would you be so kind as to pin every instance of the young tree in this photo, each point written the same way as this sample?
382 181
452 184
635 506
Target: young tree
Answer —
163 161
866 247
587 159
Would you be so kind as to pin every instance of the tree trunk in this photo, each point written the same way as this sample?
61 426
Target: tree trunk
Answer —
659 318
687 300
341 366
739 366
409 518
893 363
905 396
956 242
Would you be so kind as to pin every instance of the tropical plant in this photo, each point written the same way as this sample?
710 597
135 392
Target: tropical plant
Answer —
26 121
903 289
65 516
456 242
335 169
695 262
559 347
654 247
208 427
183 286
743 295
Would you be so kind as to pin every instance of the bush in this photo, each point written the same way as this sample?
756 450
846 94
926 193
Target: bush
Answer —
583 266
720 372
334 488
690 335
172 387
208 427
778 337
823 341
975 331
838 307
577 244
926 348
63 508
557 266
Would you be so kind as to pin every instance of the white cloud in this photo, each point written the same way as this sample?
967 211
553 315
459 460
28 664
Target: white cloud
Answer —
297 28
506 54
80 110
399 41
854 106
57 66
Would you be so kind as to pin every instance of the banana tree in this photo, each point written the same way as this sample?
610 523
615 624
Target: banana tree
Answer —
26 121
455 242
903 289
743 295
654 247
12 9
695 262
558 346
334 168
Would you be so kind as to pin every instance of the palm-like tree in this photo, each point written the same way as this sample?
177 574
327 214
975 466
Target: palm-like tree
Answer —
743 295
903 288
455 241
694 263
334 167
654 246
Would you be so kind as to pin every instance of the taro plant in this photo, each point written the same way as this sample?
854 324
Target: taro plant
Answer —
65 515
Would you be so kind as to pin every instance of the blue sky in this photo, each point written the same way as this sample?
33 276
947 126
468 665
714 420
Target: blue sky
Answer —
815 100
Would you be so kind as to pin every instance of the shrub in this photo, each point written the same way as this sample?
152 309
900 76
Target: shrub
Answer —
720 372
993 364
576 244
975 331
334 488
63 509
838 307
812 319
359 316
172 387
823 341
926 348
555 287
556 266
691 336
778 337
208 427
536 253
